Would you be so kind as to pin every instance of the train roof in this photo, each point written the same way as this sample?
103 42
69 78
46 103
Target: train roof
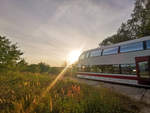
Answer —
121 43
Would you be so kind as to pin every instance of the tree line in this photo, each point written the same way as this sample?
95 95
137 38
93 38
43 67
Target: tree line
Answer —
11 60
136 27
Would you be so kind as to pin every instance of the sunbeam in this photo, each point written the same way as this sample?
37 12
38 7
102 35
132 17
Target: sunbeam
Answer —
50 86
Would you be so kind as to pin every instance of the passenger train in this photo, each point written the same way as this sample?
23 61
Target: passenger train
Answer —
124 63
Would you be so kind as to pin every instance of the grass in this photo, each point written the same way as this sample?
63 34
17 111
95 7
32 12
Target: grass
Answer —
19 90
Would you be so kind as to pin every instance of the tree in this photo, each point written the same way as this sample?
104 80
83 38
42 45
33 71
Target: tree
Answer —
146 27
44 67
22 65
136 27
9 53
123 34
138 18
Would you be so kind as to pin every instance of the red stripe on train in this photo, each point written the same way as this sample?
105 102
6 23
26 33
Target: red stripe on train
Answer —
110 76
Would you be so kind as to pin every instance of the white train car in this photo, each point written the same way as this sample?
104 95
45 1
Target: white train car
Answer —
126 63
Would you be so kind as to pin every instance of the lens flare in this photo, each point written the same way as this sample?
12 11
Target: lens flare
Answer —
50 86
73 56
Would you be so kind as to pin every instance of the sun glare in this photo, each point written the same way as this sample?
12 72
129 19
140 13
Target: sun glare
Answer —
73 56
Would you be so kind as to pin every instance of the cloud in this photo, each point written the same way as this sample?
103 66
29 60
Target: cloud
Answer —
47 30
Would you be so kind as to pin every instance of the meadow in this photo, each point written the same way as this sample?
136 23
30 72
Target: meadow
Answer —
18 90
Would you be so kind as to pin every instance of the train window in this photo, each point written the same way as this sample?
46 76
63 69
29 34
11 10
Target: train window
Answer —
82 68
107 68
133 69
148 44
131 47
143 69
110 51
79 69
94 68
95 53
87 69
100 69
128 69
125 69
116 69
112 69
87 55
82 56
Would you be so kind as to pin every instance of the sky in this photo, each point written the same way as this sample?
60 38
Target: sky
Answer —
48 30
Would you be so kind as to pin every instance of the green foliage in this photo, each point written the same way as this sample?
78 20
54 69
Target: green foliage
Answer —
38 68
19 90
72 71
21 65
55 70
34 68
136 27
43 67
9 54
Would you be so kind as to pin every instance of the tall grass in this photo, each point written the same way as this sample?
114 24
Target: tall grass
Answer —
19 90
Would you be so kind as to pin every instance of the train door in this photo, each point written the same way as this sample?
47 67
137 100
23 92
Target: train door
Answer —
143 69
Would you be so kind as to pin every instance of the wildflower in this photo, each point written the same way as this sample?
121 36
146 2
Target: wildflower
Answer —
26 97
34 100
25 83
1 101
12 91
62 90
69 93
51 104
78 89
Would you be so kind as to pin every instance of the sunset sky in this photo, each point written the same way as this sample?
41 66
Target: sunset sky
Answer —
47 30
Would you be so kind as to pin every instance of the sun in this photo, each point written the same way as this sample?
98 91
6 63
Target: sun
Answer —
73 56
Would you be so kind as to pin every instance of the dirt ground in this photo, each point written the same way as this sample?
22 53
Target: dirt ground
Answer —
138 94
